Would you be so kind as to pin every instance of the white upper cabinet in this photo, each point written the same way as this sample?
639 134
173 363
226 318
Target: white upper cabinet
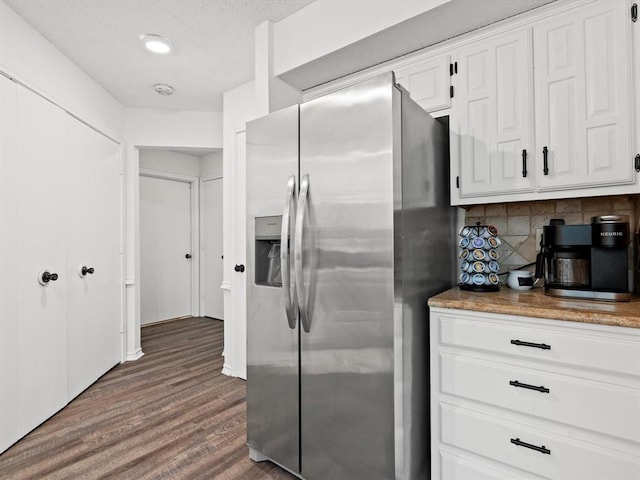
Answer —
543 107
492 116
583 98
428 82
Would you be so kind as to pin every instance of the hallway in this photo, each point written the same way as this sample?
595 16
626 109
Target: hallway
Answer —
169 415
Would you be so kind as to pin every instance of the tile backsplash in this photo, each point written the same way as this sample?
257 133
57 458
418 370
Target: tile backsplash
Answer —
517 222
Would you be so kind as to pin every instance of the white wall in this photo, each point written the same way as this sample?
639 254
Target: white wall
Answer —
326 26
31 59
170 162
211 165
239 107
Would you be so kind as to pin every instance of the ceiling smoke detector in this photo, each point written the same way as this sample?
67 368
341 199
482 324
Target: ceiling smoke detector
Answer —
163 89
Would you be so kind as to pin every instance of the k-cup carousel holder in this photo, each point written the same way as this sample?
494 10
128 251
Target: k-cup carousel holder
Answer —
479 258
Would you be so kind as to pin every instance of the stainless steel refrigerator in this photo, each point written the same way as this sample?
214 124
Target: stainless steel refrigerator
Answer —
349 233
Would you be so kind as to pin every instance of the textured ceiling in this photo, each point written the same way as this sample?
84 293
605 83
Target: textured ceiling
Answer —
213 40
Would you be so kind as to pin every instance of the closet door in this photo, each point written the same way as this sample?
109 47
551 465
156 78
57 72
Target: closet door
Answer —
8 266
93 241
41 359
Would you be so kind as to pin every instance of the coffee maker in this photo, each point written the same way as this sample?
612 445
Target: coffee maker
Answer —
586 261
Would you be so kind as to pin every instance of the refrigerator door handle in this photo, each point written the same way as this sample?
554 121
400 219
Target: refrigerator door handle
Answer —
290 301
297 254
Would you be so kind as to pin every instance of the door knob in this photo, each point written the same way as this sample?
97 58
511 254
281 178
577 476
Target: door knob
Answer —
188 255
239 268
46 277
86 270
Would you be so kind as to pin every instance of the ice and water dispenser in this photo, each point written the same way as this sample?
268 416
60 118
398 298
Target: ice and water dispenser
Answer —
268 251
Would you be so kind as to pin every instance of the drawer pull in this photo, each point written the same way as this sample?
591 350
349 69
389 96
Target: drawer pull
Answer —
543 346
542 449
516 383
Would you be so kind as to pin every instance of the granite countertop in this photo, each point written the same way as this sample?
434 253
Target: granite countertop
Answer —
533 303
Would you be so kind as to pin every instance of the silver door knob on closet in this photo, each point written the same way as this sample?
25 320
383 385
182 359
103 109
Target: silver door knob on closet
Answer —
188 255
45 277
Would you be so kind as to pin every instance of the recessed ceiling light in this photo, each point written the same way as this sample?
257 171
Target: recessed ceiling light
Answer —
163 89
156 43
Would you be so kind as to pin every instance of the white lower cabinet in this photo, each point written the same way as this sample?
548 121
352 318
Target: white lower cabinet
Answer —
513 397
59 208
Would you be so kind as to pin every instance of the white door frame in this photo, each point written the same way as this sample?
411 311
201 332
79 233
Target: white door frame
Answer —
194 182
201 217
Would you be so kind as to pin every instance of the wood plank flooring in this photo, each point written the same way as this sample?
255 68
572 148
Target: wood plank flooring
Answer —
169 415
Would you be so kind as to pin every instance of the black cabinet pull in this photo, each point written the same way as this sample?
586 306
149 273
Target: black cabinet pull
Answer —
520 443
543 346
87 270
545 156
49 277
239 268
187 256
524 163
637 163
516 383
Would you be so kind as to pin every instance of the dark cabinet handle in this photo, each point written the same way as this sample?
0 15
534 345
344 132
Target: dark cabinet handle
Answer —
545 156
47 277
637 160
520 443
87 270
239 268
188 255
516 383
524 163
543 346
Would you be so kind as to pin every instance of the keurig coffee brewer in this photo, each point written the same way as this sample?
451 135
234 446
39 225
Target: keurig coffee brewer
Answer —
586 261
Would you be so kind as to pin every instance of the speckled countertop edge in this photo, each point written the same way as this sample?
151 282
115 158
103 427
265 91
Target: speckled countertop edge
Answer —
533 303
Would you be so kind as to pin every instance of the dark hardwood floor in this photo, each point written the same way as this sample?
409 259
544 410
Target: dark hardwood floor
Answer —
169 415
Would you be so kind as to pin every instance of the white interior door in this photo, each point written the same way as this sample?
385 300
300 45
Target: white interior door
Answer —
93 241
41 200
165 243
212 248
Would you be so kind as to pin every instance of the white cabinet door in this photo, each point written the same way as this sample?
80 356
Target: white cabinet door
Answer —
428 82
492 119
41 359
93 240
9 265
583 98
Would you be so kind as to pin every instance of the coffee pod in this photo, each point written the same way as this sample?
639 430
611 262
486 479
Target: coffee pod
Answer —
479 279
493 279
464 231
493 255
492 242
478 242
464 242
464 254
464 278
493 266
493 231
479 254
466 266
480 267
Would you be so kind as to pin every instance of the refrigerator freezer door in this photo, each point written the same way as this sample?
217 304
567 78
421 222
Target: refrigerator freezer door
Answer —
347 148
272 345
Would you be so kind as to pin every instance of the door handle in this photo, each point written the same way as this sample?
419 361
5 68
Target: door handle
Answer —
545 158
188 255
84 270
239 268
46 277
524 163
297 254
290 303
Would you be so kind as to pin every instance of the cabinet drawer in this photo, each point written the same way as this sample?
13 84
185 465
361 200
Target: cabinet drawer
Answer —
587 349
567 458
455 466
603 408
